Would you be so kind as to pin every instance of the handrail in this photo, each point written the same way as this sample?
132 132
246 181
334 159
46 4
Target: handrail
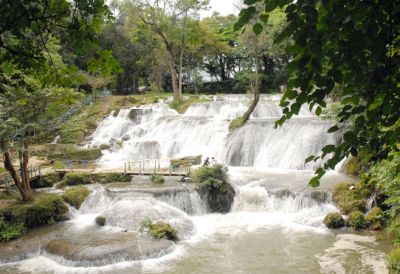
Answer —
33 171
153 165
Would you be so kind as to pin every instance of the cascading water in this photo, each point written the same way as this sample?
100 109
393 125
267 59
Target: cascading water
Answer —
276 220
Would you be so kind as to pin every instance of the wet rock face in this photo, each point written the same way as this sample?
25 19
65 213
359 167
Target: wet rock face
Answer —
105 249
219 200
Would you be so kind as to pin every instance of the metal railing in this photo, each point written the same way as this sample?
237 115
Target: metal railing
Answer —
155 166
72 165
6 179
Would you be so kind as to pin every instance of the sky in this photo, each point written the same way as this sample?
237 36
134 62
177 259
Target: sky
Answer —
224 7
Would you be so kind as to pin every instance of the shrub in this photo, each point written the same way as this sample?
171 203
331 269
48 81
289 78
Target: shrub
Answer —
47 180
334 221
10 231
112 177
394 260
374 218
76 195
214 177
159 230
73 179
157 179
357 220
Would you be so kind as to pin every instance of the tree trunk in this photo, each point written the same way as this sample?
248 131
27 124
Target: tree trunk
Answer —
23 188
175 88
256 91
181 71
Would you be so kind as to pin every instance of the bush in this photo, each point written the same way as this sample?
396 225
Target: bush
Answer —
157 179
73 179
159 230
214 177
357 220
47 180
112 178
76 195
394 260
334 221
10 231
374 218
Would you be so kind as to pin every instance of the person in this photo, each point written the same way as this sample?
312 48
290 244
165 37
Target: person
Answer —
206 162
213 161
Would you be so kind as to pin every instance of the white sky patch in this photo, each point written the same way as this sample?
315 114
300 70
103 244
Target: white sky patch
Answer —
224 7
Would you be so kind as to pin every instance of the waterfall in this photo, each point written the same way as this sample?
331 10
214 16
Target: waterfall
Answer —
156 131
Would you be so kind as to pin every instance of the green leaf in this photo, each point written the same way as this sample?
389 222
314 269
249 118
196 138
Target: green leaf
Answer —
318 111
309 159
258 28
250 2
350 138
329 149
333 129
314 182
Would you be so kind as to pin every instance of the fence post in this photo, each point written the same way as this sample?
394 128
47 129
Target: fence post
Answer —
125 168
170 170
140 167
155 166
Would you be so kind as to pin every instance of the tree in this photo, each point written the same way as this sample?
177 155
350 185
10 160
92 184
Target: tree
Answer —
29 87
348 43
26 105
168 20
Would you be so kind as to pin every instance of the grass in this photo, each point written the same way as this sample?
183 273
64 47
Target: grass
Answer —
182 105
157 179
236 123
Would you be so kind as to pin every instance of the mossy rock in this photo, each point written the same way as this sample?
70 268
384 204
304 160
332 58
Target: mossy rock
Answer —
357 220
186 161
160 230
73 179
46 209
350 197
76 195
334 220
236 123
10 230
375 218
157 179
100 220
352 166
105 147
105 178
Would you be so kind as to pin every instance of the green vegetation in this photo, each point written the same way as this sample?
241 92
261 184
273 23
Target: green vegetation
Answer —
348 197
334 221
181 105
157 179
47 180
159 230
375 218
236 123
73 178
394 260
19 216
213 184
214 177
61 152
186 161
357 220
76 195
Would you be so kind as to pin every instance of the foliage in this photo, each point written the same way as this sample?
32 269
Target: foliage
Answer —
76 195
213 177
375 218
394 259
157 179
47 180
357 220
159 230
181 105
334 220
73 179
354 45
349 199
10 231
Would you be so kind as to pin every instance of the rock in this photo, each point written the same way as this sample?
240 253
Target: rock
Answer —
218 200
105 147
334 220
76 195
100 220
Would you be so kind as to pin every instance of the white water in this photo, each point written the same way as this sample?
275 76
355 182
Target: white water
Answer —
275 224
155 131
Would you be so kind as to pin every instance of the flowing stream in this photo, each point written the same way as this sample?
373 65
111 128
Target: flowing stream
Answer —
275 224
